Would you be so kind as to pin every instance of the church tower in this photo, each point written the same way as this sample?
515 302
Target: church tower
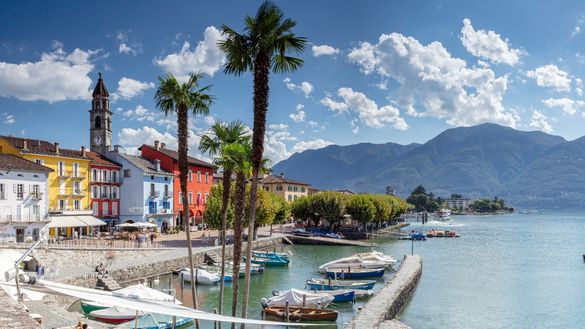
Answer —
100 119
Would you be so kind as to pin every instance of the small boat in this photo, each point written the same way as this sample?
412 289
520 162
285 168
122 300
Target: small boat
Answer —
330 284
255 269
342 296
378 256
358 293
302 314
418 236
115 315
156 321
274 261
268 254
371 260
88 306
442 234
298 298
443 214
201 276
348 273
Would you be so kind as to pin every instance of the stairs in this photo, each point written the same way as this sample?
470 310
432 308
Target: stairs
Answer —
212 258
107 283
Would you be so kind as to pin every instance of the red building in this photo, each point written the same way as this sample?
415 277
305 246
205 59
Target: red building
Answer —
105 188
199 180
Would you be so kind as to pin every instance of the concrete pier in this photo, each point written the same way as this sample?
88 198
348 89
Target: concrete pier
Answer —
315 240
380 311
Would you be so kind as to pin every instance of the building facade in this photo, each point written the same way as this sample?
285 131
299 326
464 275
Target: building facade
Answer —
105 189
146 190
199 180
24 201
287 188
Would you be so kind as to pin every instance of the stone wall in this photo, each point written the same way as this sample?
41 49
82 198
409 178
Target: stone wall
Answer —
388 302
13 315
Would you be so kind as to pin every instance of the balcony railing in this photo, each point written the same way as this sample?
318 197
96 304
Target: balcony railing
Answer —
36 196
71 192
167 195
78 192
154 194
22 218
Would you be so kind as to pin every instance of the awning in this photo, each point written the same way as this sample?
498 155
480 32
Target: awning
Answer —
75 221
91 221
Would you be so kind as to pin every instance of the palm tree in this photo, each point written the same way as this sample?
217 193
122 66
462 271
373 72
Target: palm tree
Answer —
264 46
219 136
172 97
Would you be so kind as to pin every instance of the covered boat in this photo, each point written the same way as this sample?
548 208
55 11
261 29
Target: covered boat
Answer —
201 276
296 297
371 260
137 290
115 315
331 284
270 261
349 273
301 314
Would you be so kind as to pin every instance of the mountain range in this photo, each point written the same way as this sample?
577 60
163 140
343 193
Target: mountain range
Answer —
529 169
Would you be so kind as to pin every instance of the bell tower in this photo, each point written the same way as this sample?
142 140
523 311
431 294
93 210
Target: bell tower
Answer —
100 119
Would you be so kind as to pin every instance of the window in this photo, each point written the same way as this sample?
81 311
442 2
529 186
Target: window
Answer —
77 188
61 168
152 207
98 119
104 175
76 204
190 198
303 189
289 197
35 212
198 198
126 172
198 177
19 190
94 175
180 197
206 178
167 194
39 161
190 175
166 204
95 208
296 197
105 209
114 209
18 212
115 192
295 188
290 188
152 190
35 190
2 192
206 198
151 177
62 205
114 176
94 192
76 170
279 187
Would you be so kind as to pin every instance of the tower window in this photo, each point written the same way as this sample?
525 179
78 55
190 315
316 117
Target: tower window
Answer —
98 122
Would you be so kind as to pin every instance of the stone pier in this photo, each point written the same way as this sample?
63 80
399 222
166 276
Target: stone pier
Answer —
380 311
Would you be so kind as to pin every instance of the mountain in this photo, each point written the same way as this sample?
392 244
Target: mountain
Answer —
480 161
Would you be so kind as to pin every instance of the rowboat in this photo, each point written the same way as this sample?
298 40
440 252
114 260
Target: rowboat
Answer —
302 314
330 284
115 315
201 276
273 261
268 254
88 307
297 298
348 273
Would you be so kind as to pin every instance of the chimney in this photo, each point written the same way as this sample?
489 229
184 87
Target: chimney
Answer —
25 144
157 164
156 145
56 147
83 152
117 148
163 145
281 175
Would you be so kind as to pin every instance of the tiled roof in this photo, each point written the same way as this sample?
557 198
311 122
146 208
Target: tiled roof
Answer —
38 146
272 179
145 165
101 160
175 156
13 162
100 88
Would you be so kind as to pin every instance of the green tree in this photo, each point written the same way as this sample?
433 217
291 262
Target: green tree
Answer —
302 208
283 209
174 98
266 45
329 206
213 214
265 209
361 208
219 135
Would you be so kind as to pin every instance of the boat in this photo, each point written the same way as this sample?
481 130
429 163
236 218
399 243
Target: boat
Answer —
357 293
360 261
302 314
201 276
441 234
417 236
138 290
255 269
349 273
443 214
88 307
274 261
339 296
331 284
156 321
298 298
115 315
376 255
342 296
268 254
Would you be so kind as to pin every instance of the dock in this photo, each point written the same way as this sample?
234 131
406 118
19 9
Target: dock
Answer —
314 240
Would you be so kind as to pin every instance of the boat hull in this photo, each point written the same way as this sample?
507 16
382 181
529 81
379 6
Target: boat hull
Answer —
344 296
302 314
88 307
338 274
339 285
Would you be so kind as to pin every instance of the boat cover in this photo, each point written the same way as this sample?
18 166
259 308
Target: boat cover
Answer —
144 292
295 298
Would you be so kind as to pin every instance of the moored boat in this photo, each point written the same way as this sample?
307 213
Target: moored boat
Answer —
201 276
331 284
348 273
301 314
88 306
156 321
298 298
443 214
269 254
273 261
442 234
115 315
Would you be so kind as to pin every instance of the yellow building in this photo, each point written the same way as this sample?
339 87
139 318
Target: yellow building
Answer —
284 187
68 182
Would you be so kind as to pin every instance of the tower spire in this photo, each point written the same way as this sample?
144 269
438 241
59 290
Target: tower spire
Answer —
100 88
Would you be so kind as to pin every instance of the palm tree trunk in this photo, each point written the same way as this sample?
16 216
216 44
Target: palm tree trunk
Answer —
261 91
240 204
227 174
183 134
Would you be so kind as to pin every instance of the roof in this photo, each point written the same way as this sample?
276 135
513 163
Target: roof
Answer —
13 162
272 179
100 160
42 147
145 165
175 156
100 88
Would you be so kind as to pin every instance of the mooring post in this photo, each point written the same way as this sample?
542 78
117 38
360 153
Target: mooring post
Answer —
286 317
215 322
304 300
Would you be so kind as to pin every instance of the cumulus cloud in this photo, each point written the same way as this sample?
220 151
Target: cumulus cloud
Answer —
130 88
310 145
57 76
206 58
333 105
539 121
305 87
488 45
8 119
131 139
430 78
140 113
126 47
576 30
367 110
324 50
277 138
551 76
568 105
299 115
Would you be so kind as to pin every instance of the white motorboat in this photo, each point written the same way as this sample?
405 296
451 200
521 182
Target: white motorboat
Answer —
443 214
201 276
295 298
370 260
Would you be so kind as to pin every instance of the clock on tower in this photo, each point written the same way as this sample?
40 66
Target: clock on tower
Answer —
100 119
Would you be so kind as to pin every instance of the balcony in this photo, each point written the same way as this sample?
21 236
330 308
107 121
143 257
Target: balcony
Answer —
36 196
70 211
154 194
64 174
167 195
77 193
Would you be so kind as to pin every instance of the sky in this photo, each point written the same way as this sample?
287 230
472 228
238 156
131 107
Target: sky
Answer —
374 71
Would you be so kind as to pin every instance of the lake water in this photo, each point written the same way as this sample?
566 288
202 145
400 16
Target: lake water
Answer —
513 271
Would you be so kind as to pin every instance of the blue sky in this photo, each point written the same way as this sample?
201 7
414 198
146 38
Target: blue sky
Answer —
380 71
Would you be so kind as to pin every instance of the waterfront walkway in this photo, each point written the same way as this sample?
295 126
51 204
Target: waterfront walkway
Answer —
315 240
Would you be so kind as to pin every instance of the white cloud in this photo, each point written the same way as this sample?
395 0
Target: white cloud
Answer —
305 87
568 105
299 115
488 45
310 145
140 113
206 58
431 78
324 50
57 76
552 77
277 138
333 105
209 120
355 128
130 88
367 110
8 119
125 49
576 30
131 139
539 121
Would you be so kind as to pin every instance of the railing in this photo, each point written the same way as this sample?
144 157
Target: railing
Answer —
63 173
36 195
22 218
154 194
167 195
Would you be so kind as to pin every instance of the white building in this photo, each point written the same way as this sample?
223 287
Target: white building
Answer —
24 201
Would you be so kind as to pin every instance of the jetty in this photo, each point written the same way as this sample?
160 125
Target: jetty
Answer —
316 240
380 311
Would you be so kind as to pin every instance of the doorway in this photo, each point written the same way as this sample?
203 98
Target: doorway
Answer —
19 235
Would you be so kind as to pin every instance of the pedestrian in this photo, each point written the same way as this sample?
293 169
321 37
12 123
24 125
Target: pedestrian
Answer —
152 238
79 325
